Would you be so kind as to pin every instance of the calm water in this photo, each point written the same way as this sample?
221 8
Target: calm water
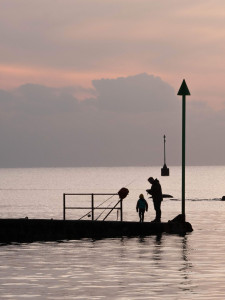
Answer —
170 266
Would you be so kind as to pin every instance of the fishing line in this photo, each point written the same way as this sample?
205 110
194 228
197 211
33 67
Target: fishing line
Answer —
104 202
111 210
103 211
97 206
112 201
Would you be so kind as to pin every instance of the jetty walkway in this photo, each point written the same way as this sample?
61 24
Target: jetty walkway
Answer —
31 230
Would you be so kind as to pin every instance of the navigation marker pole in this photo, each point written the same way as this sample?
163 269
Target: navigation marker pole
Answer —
165 171
183 91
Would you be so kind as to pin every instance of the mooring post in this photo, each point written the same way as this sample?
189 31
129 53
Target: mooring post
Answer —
121 210
92 207
183 91
64 206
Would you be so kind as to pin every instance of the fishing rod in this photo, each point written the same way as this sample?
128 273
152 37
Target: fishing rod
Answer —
103 211
104 202
97 206
112 209
122 195
111 203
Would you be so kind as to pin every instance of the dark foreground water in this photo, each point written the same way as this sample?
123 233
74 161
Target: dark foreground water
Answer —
163 267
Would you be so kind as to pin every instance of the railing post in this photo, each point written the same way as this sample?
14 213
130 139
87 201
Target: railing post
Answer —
92 207
121 210
64 206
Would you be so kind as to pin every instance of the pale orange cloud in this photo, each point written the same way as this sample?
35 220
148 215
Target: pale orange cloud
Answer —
14 76
50 43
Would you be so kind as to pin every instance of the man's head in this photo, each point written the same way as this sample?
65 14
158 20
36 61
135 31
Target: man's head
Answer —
151 180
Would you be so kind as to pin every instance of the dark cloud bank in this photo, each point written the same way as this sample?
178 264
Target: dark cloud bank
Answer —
122 126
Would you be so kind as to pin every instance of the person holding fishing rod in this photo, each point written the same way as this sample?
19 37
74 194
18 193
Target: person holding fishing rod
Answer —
157 197
141 207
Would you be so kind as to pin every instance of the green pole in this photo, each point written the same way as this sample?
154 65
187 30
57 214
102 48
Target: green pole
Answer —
183 91
183 152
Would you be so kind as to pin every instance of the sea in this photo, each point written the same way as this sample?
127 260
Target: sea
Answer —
149 267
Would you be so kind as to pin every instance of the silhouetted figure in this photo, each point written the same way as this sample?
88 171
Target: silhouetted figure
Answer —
141 207
156 192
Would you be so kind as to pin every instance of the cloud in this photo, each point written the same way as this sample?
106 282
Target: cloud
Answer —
138 93
85 39
38 99
124 124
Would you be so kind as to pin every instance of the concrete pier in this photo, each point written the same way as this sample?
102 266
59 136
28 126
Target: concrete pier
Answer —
31 230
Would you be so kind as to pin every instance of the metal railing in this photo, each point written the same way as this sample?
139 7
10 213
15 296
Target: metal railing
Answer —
92 208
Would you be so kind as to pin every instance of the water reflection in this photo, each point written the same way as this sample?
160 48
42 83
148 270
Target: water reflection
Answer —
131 268
166 263
158 249
185 270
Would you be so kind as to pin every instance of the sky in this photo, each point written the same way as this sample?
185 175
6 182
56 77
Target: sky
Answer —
95 82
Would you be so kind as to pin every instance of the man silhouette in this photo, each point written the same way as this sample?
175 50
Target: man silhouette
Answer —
156 192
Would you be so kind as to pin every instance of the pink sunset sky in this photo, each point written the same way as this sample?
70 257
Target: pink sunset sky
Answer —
67 42
125 59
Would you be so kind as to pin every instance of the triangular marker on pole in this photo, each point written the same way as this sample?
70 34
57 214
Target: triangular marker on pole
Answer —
183 89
